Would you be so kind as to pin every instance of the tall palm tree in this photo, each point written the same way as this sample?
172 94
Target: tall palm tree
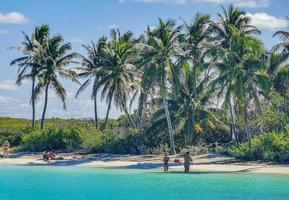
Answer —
197 34
91 70
241 73
231 19
158 54
31 50
149 79
118 72
55 59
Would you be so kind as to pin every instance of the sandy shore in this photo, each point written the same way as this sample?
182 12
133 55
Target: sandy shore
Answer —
209 163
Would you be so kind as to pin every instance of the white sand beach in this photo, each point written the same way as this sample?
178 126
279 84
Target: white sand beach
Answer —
208 163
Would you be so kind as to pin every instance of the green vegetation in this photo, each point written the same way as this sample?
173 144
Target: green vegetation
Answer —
195 84
269 147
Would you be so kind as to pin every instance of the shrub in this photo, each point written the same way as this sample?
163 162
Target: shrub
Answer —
195 150
269 147
51 139
89 138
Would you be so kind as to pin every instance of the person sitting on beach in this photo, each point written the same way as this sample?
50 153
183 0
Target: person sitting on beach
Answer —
52 156
6 146
187 162
166 160
45 155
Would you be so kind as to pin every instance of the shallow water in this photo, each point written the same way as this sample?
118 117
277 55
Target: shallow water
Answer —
71 183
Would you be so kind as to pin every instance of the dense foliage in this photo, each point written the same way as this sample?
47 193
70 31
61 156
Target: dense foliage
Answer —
194 83
272 146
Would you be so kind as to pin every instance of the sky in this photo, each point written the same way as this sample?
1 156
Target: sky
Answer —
81 21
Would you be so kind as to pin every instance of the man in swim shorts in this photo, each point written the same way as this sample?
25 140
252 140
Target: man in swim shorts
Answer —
187 162
166 162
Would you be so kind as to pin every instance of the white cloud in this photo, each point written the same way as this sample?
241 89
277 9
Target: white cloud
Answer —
239 3
263 20
8 85
13 18
155 1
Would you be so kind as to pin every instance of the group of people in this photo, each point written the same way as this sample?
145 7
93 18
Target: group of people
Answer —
49 155
52 156
187 162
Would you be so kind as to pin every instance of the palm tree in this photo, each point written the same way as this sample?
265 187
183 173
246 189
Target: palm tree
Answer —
207 114
281 85
229 20
196 36
118 72
55 59
232 18
282 48
162 46
91 70
242 73
31 49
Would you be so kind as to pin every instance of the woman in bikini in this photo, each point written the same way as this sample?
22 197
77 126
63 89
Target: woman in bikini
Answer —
6 146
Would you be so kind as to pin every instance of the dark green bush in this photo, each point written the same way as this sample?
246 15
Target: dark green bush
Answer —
269 147
50 139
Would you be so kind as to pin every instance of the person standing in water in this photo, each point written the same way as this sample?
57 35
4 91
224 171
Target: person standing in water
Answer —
187 162
6 146
166 160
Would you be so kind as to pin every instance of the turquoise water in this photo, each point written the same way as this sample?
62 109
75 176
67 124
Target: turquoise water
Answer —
69 183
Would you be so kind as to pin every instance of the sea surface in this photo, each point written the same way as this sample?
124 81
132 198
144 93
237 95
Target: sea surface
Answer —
72 183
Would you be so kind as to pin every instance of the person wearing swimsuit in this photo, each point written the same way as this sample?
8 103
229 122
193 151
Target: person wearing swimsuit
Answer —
166 160
6 146
187 162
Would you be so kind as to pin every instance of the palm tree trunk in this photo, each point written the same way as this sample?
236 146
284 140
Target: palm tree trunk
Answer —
285 109
129 117
193 121
193 109
95 111
140 109
246 126
107 113
233 121
45 106
172 146
169 122
33 102
188 136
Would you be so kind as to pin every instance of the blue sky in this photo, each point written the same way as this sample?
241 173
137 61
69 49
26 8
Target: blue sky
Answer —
80 21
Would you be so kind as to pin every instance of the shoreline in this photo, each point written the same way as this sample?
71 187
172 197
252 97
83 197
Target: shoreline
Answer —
208 163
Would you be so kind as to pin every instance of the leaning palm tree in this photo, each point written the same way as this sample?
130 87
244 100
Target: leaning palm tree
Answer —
31 50
158 53
118 73
55 61
91 70
242 74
